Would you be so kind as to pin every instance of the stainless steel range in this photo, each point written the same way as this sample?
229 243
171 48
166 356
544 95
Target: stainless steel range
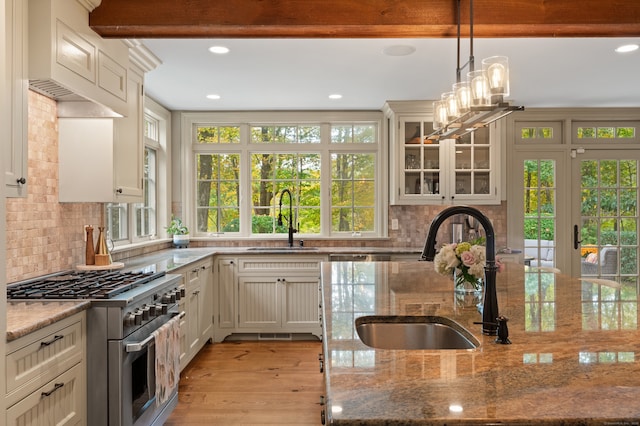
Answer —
126 309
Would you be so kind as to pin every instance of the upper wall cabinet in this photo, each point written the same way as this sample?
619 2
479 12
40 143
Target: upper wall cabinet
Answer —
128 143
69 61
111 160
444 172
16 62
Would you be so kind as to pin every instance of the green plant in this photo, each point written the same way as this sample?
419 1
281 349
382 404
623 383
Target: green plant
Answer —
176 227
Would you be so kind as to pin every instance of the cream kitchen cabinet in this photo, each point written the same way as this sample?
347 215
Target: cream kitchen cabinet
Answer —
69 61
226 283
272 297
110 161
46 375
197 324
128 143
450 171
16 61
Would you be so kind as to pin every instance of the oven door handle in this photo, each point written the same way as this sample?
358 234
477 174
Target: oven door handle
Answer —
138 346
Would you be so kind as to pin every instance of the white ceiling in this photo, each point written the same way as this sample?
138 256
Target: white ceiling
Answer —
300 74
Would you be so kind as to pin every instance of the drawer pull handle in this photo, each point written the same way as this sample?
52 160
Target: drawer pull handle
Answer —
55 388
52 341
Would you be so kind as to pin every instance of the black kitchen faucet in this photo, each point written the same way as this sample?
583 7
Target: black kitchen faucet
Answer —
292 230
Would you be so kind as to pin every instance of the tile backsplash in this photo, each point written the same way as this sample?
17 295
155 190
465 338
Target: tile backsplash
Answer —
45 236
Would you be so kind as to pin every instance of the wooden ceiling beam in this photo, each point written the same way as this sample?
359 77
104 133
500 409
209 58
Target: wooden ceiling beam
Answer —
363 18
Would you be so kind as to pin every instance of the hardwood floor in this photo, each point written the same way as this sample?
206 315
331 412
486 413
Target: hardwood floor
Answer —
251 383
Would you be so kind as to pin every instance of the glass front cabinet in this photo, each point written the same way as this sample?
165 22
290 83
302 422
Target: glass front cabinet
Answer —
447 172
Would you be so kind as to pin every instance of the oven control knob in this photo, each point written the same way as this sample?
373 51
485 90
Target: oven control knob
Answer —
177 293
164 309
152 311
145 313
138 317
165 298
129 319
183 292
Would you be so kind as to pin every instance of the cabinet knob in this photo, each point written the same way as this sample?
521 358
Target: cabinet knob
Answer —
119 190
21 181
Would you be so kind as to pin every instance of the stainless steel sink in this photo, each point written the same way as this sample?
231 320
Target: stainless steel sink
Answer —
414 332
297 248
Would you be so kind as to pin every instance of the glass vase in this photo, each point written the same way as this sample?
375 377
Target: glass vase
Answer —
462 285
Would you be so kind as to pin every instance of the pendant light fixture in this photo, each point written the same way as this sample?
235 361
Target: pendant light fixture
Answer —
476 101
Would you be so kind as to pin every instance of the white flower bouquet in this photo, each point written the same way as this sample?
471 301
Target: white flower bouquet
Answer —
466 261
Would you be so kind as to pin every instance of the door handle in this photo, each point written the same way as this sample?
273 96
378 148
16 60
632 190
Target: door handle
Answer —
576 236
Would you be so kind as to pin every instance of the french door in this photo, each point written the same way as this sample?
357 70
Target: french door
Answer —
573 203
605 219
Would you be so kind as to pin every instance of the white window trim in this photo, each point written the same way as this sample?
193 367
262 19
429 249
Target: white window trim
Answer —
188 148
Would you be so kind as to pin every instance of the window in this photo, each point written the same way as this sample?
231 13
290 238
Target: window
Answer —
330 167
145 213
218 195
117 222
606 132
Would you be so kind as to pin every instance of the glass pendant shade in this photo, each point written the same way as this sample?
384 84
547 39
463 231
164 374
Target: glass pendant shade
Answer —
479 88
497 70
463 96
439 115
452 106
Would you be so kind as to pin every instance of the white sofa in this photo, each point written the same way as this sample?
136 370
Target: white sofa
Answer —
544 257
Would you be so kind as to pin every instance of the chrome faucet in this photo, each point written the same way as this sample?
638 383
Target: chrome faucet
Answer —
490 303
292 230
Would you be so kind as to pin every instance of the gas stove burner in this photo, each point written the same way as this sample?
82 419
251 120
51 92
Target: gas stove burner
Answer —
80 285
62 278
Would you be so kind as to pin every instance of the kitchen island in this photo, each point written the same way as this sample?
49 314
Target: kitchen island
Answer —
573 357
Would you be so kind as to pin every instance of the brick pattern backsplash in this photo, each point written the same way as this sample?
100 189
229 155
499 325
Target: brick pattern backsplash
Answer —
44 236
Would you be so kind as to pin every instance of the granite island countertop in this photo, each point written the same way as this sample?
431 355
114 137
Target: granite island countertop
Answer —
574 357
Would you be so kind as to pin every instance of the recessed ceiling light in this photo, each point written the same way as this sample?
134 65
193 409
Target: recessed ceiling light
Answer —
213 96
335 96
398 50
220 50
627 48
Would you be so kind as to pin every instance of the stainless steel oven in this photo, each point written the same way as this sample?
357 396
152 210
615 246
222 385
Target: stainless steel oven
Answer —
132 379
126 309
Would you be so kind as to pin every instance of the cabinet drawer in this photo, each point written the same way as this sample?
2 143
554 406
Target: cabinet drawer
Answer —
43 355
61 401
279 264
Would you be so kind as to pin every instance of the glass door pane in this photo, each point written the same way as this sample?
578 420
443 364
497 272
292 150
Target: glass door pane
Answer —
609 216
540 213
421 159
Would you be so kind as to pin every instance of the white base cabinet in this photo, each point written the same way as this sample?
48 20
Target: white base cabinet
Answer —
46 375
197 324
269 296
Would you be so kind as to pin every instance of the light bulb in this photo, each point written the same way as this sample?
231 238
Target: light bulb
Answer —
463 96
451 104
496 74
439 115
479 88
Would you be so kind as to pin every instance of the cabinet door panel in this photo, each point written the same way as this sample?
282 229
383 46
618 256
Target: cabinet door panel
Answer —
301 302
226 286
259 304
